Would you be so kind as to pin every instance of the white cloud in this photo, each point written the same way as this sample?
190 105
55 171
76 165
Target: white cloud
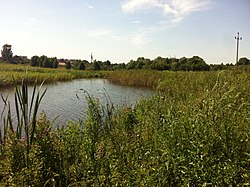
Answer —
175 10
136 22
89 6
130 6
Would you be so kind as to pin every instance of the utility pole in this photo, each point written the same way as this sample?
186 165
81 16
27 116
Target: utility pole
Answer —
238 38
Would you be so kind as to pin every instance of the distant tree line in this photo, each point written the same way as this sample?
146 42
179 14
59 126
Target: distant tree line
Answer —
84 64
183 64
44 61
75 64
194 63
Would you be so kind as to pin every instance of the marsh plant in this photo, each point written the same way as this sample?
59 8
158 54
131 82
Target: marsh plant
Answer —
12 74
198 136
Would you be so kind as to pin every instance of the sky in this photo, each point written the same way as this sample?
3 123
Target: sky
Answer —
121 30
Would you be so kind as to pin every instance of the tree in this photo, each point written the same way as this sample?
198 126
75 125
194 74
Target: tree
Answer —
81 66
119 66
243 61
147 63
106 65
197 64
68 65
131 64
161 64
175 66
54 62
46 63
41 60
182 63
75 63
96 65
34 61
140 63
7 53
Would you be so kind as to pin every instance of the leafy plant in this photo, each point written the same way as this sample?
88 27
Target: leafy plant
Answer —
193 132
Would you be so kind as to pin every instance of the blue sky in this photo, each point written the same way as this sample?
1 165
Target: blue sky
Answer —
121 30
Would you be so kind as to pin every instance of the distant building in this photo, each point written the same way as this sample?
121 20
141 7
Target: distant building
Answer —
62 62
20 59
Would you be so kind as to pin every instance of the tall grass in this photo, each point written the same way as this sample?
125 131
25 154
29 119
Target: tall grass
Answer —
11 74
26 113
193 133
181 83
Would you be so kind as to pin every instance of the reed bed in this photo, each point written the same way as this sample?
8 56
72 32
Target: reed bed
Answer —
194 132
181 83
11 74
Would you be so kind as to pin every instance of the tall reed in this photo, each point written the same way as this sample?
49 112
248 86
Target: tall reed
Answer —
194 132
26 113
36 74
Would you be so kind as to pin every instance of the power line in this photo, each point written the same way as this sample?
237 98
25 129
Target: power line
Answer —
238 38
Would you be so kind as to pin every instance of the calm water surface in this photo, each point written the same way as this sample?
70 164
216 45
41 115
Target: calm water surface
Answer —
60 102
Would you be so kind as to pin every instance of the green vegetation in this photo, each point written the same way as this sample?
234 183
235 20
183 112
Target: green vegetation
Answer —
6 53
243 61
14 73
44 61
194 132
183 64
194 63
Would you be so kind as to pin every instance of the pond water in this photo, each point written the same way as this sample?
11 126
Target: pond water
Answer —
61 103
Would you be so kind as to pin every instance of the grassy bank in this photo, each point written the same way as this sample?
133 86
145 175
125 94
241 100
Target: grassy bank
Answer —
194 132
13 73
156 79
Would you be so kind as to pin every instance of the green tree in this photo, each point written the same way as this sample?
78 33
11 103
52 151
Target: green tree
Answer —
96 65
118 66
41 60
140 63
54 62
175 66
161 64
34 61
183 64
46 63
147 63
106 65
68 65
76 63
197 64
243 61
131 64
81 66
7 53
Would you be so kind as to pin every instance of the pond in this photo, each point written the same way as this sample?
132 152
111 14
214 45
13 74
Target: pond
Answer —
61 104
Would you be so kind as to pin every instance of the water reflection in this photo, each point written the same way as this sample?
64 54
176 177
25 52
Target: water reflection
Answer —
61 103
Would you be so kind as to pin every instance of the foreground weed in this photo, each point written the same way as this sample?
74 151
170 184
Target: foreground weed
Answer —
198 136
